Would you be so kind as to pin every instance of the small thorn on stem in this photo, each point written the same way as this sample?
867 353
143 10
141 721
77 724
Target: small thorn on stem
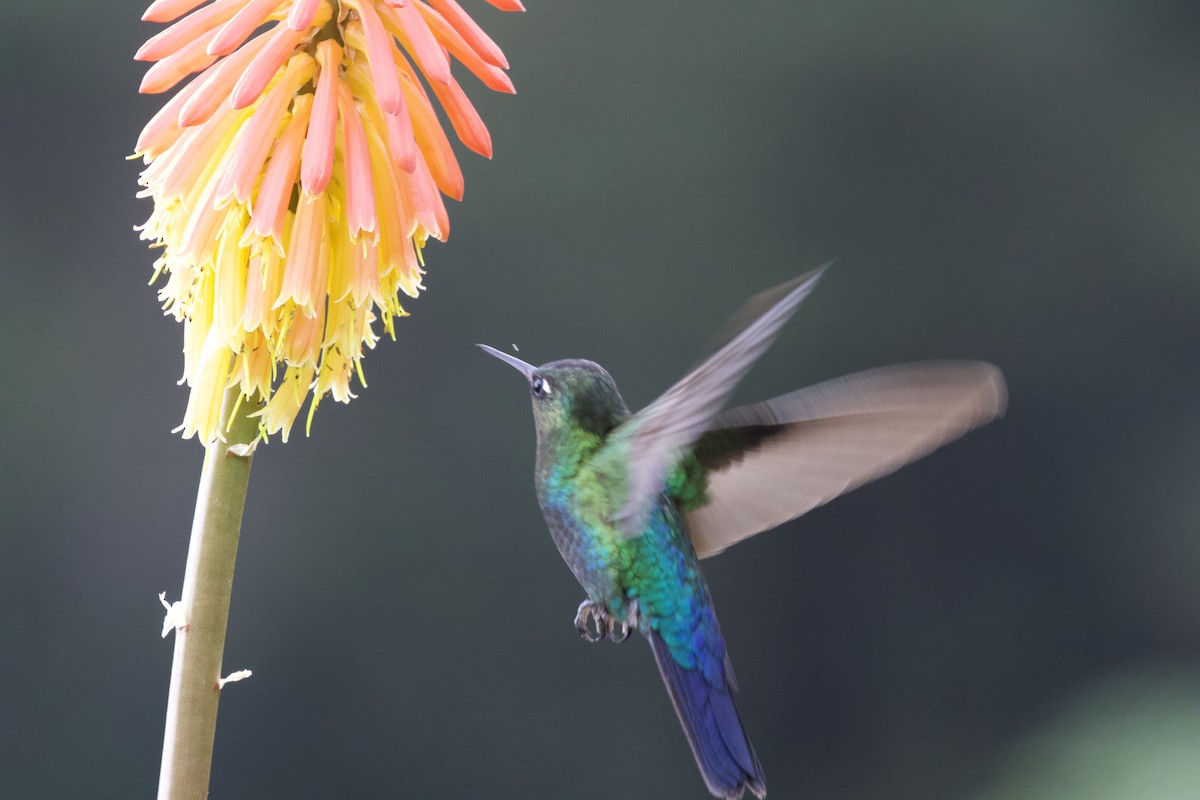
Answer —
242 450
174 619
234 677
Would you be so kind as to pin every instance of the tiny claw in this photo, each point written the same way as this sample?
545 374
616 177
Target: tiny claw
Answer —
619 633
597 616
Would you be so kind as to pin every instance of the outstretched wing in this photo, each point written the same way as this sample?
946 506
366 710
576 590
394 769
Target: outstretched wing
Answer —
774 461
642 450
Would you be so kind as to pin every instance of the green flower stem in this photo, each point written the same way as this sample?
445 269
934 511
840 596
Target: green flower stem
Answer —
204 607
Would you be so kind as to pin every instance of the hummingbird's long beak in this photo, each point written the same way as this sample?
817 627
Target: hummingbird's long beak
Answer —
520 366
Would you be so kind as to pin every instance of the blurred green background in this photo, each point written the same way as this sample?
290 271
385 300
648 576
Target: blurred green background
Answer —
1017 616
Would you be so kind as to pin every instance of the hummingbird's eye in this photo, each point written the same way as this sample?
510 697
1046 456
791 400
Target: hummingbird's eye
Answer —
541 386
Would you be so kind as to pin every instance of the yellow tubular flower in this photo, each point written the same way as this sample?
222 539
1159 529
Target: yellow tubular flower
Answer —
296 179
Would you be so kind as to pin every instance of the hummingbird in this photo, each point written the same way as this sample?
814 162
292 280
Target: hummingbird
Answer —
635 501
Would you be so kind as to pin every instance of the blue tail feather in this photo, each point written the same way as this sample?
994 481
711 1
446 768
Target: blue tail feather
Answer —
714 730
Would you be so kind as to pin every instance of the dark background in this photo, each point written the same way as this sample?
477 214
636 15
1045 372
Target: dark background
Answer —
1017 616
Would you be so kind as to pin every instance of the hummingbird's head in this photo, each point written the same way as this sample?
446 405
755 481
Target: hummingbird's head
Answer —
569 395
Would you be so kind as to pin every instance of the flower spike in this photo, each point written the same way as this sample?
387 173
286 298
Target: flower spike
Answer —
296 179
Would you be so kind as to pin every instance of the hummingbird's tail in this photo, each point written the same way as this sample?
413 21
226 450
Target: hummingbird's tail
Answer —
714 730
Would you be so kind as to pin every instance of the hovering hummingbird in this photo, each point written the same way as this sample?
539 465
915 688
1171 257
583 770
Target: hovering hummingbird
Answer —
634 501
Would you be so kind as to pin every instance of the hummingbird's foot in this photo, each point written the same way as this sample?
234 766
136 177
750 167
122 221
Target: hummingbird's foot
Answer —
592 621
619 631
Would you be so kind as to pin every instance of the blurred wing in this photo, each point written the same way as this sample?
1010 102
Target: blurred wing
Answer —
774 461
641 451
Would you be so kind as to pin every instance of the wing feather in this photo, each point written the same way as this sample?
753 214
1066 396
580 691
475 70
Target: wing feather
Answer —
774 461
643 449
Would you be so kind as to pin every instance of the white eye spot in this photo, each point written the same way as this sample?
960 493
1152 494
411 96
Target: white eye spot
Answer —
541 387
